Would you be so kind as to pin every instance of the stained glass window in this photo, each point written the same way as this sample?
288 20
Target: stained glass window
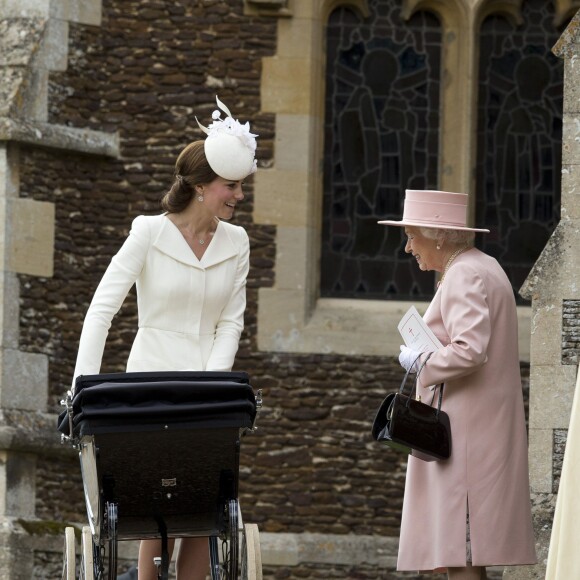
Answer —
519 137
381 137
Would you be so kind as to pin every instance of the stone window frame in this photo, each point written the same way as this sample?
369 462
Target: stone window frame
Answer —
292 317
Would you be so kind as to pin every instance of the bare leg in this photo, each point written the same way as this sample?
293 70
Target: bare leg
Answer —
193 559
467 573
149 549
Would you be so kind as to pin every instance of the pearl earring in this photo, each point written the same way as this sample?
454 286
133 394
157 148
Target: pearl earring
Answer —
200 197
438 247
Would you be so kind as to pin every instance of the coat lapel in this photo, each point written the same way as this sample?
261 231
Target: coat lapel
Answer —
170 241
221 248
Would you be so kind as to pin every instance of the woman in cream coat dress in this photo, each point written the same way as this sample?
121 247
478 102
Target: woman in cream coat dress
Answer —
191 309
472 510
564 557
190 268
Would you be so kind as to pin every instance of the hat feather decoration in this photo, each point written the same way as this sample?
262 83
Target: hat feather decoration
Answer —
229 146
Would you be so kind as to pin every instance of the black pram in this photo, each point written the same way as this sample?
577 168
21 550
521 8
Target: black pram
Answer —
159 457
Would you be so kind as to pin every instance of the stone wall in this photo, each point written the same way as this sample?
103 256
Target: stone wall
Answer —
312 466
570 332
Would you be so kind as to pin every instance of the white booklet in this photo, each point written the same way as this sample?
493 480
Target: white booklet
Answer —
416 334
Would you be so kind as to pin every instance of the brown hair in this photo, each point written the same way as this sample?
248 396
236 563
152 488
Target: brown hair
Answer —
191 169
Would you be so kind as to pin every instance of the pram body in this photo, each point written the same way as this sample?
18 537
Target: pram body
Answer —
159 457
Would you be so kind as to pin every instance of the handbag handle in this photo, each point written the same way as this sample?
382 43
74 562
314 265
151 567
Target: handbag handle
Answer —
403 383
414 387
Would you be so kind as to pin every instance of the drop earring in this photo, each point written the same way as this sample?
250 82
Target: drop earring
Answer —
200 197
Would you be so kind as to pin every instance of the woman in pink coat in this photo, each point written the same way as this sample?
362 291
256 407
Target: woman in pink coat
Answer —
473 509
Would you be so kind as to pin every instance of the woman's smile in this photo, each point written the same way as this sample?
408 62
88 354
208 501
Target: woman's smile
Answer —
423 249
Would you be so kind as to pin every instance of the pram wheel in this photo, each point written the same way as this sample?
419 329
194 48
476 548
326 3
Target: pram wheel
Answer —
226 568
234 531
245 563
69 555
87 571
251 554
112 529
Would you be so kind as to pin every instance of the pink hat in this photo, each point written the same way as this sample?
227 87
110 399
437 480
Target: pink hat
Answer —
434 209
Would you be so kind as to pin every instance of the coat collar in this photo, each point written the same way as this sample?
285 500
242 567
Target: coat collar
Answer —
170 241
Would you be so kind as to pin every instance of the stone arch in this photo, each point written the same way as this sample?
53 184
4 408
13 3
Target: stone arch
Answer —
452 13
361 7
509 9
512 10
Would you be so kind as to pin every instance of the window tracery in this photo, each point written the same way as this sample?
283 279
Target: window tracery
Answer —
381 137
519 137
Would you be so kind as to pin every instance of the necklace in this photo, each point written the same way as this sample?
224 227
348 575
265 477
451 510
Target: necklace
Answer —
209 234
202 240
192 237
449 262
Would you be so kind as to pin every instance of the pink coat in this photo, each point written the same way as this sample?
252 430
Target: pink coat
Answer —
474 316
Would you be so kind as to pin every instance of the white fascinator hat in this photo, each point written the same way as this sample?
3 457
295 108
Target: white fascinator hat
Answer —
229 146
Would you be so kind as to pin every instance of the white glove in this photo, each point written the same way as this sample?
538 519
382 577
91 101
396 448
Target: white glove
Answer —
408 359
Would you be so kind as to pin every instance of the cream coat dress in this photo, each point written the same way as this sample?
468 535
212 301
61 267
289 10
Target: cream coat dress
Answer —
191 311
564 556
473 314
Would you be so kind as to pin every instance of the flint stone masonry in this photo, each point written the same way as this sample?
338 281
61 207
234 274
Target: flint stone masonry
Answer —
571 332
560 437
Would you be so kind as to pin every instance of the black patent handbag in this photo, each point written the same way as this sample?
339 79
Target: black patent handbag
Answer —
411 426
